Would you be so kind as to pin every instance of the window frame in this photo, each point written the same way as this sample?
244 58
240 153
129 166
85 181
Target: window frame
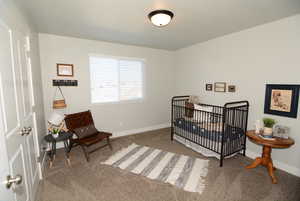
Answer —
133 100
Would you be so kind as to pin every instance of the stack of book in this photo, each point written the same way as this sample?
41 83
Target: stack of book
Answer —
266 137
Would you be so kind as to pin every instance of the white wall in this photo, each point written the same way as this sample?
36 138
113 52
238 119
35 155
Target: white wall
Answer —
119 118
16 19
248 59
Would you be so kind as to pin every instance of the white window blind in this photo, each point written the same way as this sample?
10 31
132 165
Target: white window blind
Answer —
114 80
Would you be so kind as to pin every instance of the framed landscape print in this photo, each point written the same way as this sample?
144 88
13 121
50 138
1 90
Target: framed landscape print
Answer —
282 100
220 87
65 70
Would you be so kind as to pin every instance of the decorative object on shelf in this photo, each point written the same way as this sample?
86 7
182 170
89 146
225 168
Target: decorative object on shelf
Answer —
258 126
231 88
59 103
160 18
268 126
267 137
281 131
208 87
64 83
65 70
282 100
56 124
220 87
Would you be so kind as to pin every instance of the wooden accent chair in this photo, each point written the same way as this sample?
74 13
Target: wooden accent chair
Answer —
82 125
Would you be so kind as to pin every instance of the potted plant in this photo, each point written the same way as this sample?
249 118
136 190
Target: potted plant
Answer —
55 132
268 125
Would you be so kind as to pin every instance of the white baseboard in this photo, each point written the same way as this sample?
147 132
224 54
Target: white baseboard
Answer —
129 132
278 164
140 130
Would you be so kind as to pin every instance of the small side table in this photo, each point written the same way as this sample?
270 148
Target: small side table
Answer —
267 144
62 137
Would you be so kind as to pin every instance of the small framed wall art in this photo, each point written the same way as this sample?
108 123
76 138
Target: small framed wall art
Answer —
231 88
208 87
65 70
220 87
282 100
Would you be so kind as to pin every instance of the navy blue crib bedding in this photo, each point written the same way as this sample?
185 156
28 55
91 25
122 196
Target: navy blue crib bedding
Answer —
209 130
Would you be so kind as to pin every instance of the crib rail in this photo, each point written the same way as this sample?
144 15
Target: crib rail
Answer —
221 129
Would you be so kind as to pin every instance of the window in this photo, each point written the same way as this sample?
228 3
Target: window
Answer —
114 79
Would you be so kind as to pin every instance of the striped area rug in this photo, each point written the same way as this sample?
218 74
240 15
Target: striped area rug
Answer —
185 172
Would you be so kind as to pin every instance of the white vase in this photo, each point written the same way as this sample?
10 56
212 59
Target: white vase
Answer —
55 135
268 131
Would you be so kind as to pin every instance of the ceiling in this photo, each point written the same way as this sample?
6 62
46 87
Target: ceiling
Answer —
126 22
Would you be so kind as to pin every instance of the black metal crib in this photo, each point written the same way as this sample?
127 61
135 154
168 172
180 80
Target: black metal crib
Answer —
221 129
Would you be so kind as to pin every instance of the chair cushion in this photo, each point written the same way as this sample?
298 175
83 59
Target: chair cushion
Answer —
85 131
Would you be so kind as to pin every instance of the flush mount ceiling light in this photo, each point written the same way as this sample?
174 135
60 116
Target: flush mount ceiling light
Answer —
160 17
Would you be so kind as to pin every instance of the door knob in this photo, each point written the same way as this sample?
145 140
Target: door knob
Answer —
28 129
13 180
24 131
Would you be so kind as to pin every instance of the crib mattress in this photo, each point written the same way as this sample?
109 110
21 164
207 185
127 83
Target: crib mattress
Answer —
210 130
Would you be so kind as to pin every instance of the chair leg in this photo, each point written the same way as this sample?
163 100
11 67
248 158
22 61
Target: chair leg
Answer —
86 153
108 142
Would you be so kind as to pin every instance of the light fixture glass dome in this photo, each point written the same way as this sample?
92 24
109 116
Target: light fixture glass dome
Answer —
160 17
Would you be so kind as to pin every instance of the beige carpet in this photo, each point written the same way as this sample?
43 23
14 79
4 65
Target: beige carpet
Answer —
93 181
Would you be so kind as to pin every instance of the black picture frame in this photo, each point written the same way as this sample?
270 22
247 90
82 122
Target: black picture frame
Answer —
275 106
209 87
231 88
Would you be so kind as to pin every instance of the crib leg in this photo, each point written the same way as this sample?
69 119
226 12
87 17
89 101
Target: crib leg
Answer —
244 152
221 161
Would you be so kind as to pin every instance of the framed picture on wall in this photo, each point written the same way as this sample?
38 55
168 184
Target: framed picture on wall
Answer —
282 100
208 87
65 70
220 87
231 88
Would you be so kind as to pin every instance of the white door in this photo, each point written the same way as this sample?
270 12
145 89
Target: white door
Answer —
21 46
16 126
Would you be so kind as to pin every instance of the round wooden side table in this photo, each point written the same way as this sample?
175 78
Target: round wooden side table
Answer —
267 144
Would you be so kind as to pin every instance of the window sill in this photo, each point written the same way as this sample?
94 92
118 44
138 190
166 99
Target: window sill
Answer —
139 100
